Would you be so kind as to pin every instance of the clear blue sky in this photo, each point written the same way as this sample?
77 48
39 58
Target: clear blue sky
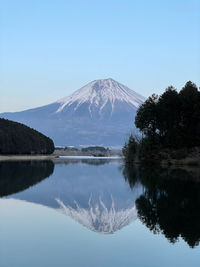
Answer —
49 48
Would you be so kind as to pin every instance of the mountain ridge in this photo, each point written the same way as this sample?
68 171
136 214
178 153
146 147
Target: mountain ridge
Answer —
108 89
100 113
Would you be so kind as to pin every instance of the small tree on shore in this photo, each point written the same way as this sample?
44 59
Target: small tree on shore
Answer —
130 149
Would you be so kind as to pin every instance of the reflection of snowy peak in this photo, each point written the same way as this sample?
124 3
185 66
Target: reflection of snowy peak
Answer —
95 196
100 218
100 113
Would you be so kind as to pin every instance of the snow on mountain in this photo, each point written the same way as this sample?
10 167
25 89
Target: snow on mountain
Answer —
100 113
100 218
92 193
101 92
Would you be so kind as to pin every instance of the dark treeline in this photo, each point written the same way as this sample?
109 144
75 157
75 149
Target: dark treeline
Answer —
170 202
17 138
169 121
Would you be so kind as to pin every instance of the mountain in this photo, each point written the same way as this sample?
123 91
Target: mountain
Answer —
100 113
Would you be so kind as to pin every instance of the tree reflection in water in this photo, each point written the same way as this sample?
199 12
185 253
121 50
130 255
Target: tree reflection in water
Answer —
20 175
170 203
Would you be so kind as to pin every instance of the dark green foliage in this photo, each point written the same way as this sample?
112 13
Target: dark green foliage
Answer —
147 116
130 149
190 114
16 138
18 176
170 201
169 121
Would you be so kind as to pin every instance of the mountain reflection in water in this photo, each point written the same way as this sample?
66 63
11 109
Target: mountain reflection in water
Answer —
91 192
106 196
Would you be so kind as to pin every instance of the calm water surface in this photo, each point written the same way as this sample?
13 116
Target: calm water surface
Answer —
98 213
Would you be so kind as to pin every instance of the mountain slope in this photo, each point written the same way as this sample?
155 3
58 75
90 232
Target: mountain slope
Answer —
100 113
100 93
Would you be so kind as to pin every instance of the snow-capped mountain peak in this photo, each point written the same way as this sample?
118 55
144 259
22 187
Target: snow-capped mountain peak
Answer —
100 113
101 92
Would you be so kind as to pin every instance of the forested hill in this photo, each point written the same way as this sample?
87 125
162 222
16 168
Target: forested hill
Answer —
17 138
170 126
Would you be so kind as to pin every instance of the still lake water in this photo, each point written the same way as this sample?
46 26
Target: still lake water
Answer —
98 213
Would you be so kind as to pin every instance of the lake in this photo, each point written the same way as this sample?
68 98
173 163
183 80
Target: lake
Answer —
98 212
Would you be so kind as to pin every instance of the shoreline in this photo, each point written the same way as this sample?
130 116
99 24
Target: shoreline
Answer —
190 162
26 157
51 157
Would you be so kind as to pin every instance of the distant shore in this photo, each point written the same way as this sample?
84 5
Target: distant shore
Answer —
52 157
90 157
26 157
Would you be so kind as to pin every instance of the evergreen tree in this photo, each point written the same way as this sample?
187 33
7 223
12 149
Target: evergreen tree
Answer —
169 121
